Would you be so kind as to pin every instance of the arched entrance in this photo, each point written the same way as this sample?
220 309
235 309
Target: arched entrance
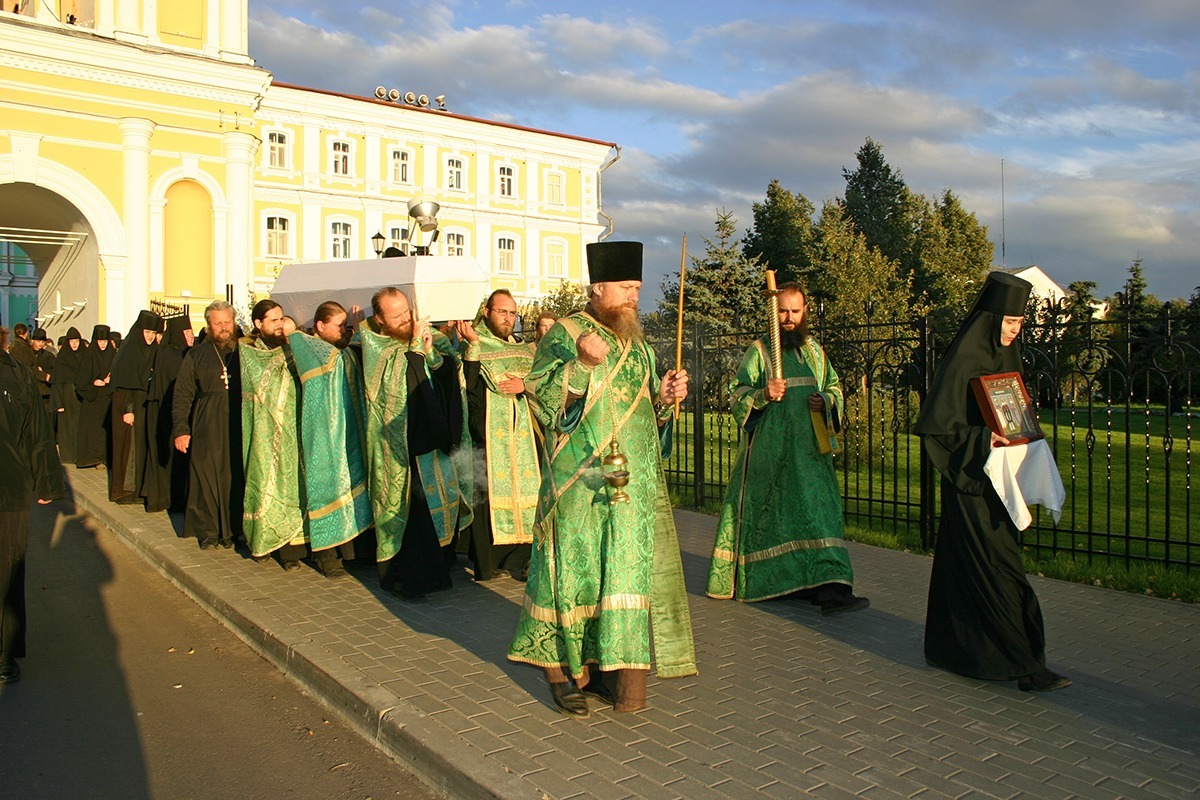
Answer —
49 261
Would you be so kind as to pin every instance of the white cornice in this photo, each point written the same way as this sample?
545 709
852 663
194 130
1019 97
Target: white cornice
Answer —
95 58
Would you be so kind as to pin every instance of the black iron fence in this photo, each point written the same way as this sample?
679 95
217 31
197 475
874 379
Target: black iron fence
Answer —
1119 402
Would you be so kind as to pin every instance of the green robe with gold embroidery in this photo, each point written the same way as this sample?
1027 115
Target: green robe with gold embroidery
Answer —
513 474
273 510
389 454
605 578
781 527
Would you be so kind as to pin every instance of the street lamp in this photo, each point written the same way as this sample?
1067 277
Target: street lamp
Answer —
377 240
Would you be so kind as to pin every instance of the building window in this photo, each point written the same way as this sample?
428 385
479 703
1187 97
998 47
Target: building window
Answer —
554 188
400 166
556 259
341 158
397 237
277 150
340 233
454 174
506 254
456 244
277 236
505 178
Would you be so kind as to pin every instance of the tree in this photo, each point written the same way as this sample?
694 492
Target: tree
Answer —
724 287
566 298
782 238
849 276
953 257
879 203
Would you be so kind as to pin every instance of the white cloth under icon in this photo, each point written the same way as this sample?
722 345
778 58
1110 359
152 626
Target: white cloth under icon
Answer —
1025 475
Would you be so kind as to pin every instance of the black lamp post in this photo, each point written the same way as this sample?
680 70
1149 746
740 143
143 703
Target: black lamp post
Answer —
377 240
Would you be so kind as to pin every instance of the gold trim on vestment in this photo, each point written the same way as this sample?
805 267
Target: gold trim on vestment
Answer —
612 602
790 547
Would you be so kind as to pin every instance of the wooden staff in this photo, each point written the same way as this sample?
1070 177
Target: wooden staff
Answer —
679 317
773 326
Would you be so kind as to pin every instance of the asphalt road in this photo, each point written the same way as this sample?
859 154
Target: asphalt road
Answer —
130 690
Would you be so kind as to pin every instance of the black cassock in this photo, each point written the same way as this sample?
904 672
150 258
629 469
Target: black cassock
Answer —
63 395
164 484
29 470
207 407
95 401
131 371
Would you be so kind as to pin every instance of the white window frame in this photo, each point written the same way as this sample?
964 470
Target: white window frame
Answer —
455 173
343 157
561 200
397 234
407 160
548 257
513 268
289 231
506 181
342 244
454 242
283 149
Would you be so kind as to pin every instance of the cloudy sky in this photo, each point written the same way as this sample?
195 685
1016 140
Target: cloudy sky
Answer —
1092 105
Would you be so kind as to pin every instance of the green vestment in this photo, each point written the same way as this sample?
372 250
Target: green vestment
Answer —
463 454
604 578
513 474
332 441
781 527
385 379
272 515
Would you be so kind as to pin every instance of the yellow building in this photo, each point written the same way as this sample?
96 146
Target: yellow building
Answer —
143 155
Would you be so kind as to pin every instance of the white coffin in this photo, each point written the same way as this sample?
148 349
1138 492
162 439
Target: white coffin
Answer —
445 287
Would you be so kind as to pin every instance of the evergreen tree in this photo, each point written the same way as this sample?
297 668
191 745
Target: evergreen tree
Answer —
724 287
879 204
783 233
849 276
954 256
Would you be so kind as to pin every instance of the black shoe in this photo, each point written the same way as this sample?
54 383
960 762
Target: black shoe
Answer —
598 688
842 603
1043 681
208 544
290 564
10 672
260 559
227 544
569 700
334 570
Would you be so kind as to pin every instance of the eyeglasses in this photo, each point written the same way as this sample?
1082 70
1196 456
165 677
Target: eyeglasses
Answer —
502 313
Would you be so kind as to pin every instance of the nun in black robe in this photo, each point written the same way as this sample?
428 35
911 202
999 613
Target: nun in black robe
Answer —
983 619
131 384
63 397
164 485
95 394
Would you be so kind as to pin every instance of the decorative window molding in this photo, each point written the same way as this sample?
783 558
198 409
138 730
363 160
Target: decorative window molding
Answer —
278 153
506 180
400 169
455 175
506 254
454 243
278 234
554 191
554 258
342 246
341 158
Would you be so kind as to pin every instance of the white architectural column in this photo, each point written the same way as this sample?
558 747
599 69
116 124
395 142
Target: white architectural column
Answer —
233 34
135 150
240 149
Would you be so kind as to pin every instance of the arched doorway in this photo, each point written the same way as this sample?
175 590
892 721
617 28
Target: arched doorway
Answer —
49 261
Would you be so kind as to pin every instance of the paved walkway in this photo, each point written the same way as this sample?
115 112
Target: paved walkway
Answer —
787 702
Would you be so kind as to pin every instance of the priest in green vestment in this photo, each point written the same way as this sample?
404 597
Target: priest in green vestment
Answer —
502 426
605 584
273 517
781 529
414 423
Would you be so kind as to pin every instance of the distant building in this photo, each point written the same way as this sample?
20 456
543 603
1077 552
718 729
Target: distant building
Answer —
1044 288
144 155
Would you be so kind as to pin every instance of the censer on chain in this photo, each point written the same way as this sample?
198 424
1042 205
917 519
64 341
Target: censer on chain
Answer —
615 473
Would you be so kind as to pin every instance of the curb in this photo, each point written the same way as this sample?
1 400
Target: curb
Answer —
444 762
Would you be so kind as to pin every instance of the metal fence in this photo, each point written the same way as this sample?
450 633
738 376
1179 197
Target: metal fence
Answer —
1118 401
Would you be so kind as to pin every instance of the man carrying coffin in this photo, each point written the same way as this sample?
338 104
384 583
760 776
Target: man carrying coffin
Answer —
414 422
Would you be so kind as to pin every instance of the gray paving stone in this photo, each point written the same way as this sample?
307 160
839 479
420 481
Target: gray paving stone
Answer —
786 702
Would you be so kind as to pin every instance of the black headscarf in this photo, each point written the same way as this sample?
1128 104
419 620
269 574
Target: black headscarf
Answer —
169 356
135 360
66 367
975 351
96 363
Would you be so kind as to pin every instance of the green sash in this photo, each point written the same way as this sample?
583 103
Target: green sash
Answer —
270 451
